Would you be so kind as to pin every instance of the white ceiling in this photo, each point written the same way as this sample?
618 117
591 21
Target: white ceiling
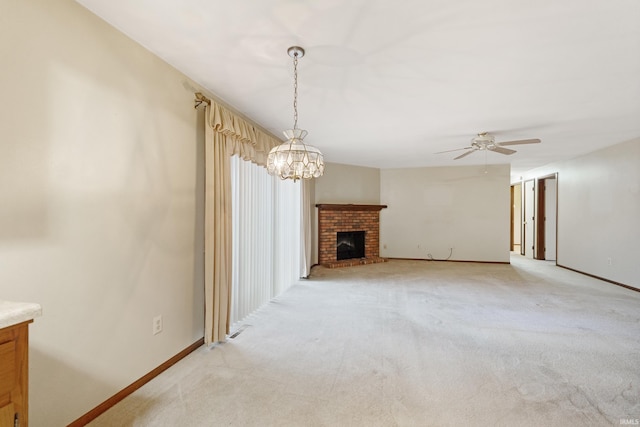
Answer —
388 83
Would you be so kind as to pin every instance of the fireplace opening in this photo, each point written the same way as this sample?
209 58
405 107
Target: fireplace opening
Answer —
350 244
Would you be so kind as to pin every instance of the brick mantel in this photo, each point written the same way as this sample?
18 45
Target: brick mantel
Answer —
334 218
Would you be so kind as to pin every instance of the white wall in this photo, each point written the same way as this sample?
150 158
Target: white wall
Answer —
434 209
100 217
598 211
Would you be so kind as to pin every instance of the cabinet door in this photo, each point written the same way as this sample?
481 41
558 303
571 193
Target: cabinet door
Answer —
7 415
7 367
14 371
7 381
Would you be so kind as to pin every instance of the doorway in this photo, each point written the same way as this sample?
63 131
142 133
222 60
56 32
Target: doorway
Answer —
547 218
528 220
516 218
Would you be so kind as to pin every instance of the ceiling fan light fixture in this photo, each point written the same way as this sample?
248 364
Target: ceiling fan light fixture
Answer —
484 141
293 159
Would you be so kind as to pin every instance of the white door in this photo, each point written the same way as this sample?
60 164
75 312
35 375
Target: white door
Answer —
550 210
528 237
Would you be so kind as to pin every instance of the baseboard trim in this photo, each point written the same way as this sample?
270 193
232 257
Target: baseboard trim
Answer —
449 260
613 282
110 402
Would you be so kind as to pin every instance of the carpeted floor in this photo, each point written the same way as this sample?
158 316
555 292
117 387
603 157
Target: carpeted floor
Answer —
415 343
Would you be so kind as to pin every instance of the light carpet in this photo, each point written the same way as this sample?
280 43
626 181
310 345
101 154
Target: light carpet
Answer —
414 343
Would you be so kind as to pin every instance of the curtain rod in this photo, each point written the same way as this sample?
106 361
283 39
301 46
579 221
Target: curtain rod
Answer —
201 99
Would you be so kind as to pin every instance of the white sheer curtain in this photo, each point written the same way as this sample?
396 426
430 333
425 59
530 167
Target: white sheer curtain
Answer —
265 234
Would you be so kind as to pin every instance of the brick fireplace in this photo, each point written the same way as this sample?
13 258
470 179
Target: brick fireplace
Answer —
348 218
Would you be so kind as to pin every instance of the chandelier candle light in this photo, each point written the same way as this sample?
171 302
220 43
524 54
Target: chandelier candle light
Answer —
293 159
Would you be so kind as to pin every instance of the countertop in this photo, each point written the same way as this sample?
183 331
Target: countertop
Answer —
12 313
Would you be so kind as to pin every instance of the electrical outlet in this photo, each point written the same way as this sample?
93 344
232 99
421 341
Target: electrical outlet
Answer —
609 261
157 325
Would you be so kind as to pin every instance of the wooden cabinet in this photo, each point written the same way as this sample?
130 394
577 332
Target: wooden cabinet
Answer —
14 375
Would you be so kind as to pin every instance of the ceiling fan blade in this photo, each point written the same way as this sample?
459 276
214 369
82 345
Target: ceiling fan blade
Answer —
502 150
465 154
457 149
520 141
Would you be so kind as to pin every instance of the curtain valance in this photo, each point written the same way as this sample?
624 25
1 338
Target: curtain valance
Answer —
243 138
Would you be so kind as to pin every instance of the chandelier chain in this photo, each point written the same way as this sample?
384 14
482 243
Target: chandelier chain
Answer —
295 91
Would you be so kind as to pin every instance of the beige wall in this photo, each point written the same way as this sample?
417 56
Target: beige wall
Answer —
432 210
348 184
100 222
598 211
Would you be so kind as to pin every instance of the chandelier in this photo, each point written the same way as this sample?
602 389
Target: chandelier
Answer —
293 159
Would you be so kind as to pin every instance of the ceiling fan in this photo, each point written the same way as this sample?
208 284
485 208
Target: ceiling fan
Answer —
486 141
